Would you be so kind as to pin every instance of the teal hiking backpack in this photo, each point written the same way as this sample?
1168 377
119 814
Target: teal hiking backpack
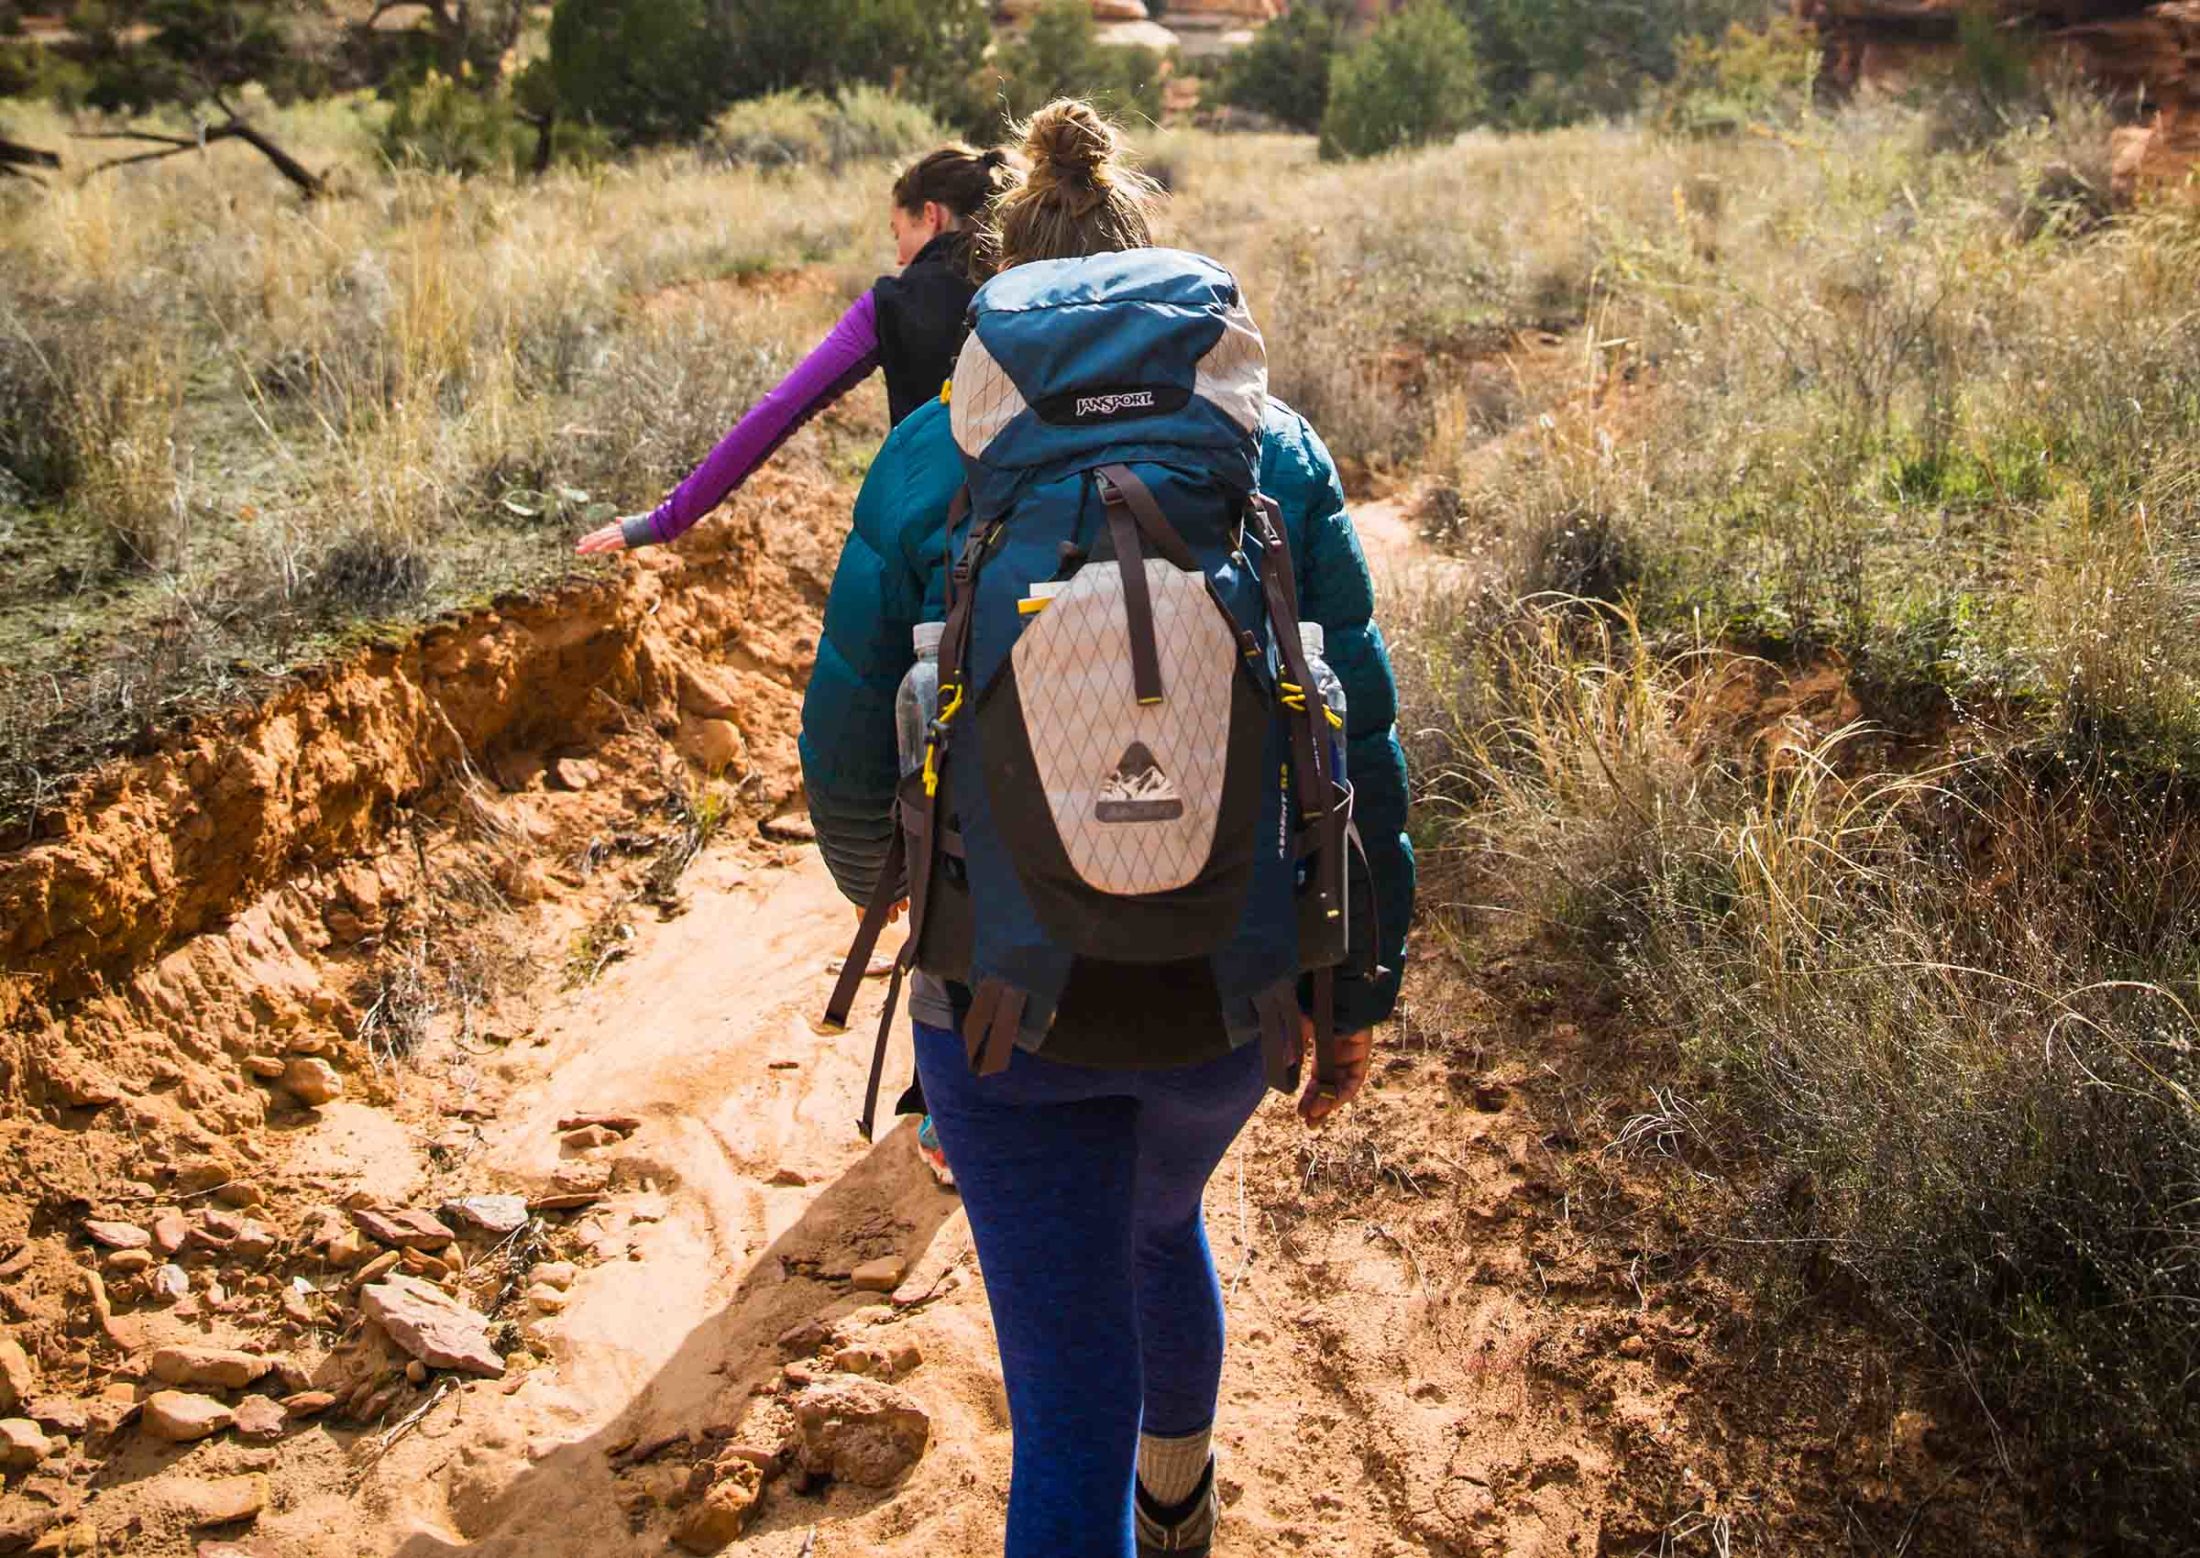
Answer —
1128 794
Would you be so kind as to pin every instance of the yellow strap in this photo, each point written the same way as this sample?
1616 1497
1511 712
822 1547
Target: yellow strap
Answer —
947 393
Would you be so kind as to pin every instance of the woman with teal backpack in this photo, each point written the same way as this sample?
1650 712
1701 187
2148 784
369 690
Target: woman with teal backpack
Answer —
1084 1099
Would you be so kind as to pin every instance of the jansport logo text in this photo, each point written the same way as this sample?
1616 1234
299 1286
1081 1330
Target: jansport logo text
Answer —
1112 405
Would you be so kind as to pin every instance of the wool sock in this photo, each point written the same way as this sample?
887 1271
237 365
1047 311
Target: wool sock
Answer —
1169 1469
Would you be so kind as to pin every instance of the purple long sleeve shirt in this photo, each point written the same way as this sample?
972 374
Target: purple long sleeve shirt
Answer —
838 364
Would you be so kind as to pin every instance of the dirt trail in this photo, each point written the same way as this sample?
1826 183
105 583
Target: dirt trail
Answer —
1434 1352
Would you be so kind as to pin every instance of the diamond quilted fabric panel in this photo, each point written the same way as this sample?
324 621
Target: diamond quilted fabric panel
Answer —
1134 790
1234 374
984 400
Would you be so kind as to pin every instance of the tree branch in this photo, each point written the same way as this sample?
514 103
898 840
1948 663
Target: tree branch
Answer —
14 156
235 128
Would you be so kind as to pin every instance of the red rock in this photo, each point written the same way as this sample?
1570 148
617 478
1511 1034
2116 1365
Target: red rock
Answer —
58 1414
261 1418
880 1276
23 1444
216 1367
211 1501
860 1431
432 1326
312 1081
622 1123
17 1377
723 1512
409 1229
180 1417
171 1231
116 1236
497 1215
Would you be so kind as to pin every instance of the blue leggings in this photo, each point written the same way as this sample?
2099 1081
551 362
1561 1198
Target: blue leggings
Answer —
1083 1189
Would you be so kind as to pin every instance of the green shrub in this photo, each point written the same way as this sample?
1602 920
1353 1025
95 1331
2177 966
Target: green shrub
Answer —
443 126
1061 55
800 129
1415 79
1284 72
645 70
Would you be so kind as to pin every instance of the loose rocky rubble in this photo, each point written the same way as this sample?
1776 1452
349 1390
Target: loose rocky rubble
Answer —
347 1310
832 1414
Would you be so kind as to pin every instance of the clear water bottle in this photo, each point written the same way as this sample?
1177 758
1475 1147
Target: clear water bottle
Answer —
919 698
1312 641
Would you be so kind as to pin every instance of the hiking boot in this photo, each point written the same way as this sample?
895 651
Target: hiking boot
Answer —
935 1159
1187 1528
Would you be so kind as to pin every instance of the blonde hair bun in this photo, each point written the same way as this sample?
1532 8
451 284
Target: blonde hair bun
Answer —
1068 138
1079 197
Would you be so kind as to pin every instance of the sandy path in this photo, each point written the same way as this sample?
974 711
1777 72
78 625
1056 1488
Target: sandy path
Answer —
1377 1400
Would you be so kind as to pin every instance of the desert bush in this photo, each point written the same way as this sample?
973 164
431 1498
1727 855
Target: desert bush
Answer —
449 128
1928 1034
799 129
1748 75
929 48
1416 78
1552 62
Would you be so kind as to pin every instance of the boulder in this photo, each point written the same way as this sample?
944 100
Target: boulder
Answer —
714 745
858 1430
180 1417
23 1444
17 1377
432 1326
312 1081
210 1367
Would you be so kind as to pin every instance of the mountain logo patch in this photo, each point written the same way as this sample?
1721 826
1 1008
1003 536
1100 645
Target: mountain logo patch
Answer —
1138 791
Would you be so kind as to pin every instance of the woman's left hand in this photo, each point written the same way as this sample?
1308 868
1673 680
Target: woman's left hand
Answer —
611 538
1324 1096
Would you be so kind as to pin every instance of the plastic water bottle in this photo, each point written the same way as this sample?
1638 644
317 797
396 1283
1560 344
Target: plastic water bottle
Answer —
919 698
1312 641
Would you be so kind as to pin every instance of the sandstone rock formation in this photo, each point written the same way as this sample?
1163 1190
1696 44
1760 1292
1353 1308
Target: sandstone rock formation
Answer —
2146 53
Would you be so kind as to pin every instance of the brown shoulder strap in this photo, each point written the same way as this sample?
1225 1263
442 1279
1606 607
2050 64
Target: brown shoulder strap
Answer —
875 913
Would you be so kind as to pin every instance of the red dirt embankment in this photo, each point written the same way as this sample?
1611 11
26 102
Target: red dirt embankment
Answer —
223 903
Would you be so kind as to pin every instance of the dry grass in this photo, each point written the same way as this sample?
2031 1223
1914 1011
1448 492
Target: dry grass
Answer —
235 425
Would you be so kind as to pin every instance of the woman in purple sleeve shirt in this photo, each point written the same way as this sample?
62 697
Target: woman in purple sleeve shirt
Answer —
910 325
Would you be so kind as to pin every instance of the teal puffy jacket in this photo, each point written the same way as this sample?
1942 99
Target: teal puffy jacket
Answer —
892 575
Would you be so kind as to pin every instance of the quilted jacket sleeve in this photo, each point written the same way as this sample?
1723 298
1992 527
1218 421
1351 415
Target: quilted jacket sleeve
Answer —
1336 590
849 762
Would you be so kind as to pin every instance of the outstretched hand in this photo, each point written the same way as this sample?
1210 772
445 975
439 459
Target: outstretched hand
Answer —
609 539
1325 1096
